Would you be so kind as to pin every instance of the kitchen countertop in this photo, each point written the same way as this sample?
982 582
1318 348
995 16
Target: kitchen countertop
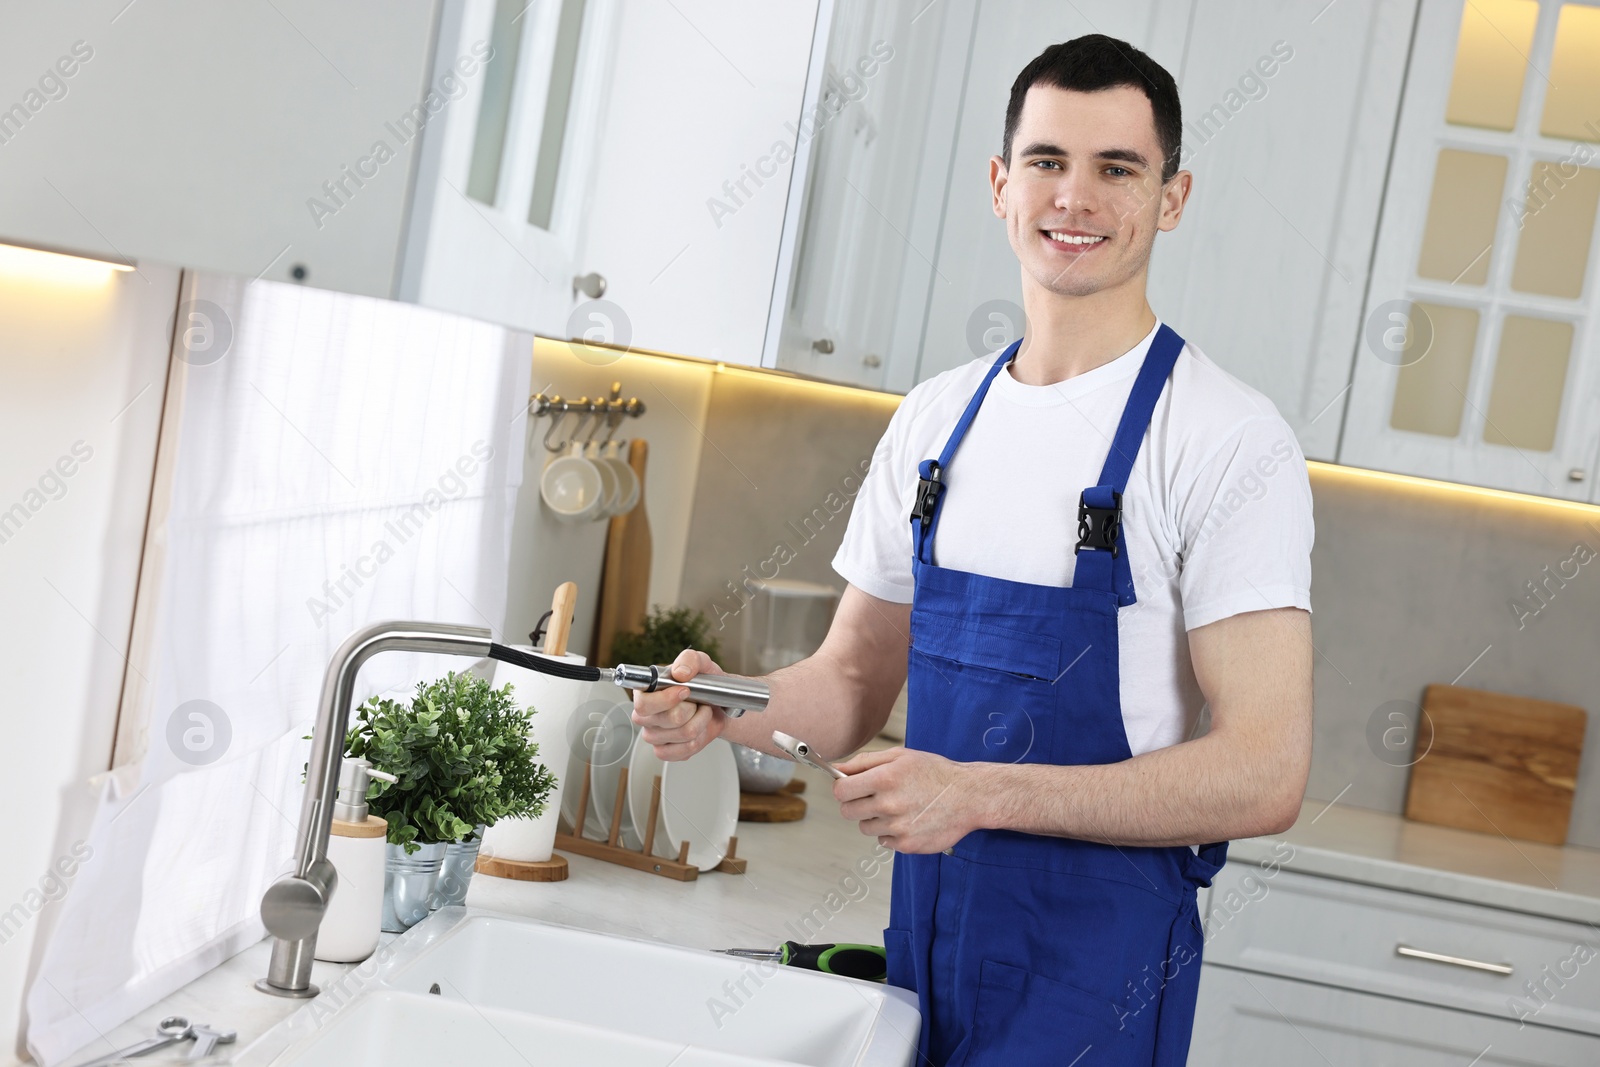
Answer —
809 868
1384 849
795 870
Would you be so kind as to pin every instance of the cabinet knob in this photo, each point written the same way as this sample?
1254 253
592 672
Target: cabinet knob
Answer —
823 345
591 285
1576 474
872 360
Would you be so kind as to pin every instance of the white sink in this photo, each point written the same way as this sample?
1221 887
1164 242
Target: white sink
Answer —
384 1027
515 990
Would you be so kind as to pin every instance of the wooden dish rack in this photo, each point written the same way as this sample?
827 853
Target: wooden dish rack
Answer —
644 859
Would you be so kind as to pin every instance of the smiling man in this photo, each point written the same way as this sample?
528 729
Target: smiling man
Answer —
1107 534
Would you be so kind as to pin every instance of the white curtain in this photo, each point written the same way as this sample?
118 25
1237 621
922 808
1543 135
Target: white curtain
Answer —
345 460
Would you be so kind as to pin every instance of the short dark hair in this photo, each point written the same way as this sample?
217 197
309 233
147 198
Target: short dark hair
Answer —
1094 62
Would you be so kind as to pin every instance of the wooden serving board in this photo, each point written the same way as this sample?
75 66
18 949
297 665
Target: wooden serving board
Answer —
1497 763
553 869
783 806
625 577
771 807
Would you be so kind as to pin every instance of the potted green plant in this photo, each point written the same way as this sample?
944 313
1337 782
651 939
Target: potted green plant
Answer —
461 758
665 633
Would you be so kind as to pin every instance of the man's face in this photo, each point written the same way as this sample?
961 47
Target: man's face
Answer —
1087 167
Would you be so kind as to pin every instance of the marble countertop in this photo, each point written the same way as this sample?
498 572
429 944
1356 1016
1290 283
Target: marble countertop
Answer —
1383 849
802 882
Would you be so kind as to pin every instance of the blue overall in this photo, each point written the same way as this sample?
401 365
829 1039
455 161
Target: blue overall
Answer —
1029 949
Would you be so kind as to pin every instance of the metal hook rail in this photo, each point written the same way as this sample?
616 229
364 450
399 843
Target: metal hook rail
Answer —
612 410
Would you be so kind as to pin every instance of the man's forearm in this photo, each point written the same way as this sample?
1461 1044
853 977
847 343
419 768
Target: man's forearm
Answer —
1243 778
1192 793
818 701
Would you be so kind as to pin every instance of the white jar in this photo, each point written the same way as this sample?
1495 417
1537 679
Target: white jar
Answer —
350 926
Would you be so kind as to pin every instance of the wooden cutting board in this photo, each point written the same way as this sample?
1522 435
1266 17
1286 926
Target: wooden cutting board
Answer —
1497 763
786 805
625 577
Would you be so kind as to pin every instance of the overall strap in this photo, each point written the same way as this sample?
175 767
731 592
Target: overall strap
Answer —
1202 866
931 472
1102 550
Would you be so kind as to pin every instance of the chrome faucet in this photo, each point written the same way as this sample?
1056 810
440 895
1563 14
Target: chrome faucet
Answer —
293 906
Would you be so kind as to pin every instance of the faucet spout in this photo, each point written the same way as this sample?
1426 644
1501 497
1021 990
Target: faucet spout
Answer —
292 907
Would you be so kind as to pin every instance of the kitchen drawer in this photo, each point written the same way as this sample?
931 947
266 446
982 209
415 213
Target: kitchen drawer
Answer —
1349 935
1256 1020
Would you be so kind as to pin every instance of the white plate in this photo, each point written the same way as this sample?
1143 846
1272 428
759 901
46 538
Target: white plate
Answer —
700 802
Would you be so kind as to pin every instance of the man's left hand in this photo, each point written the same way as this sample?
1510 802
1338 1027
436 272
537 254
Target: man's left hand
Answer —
910 800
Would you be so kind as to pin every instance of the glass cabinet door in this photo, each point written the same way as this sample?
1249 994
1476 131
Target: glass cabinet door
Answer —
499 209
1479 360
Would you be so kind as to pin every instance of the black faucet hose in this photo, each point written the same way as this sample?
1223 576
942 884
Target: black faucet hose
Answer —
576 672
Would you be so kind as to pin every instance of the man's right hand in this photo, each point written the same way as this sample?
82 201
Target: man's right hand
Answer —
673 726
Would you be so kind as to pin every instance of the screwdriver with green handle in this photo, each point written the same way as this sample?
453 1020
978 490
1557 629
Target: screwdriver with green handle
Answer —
851 961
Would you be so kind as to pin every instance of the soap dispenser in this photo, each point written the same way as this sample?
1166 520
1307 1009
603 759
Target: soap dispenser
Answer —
349 931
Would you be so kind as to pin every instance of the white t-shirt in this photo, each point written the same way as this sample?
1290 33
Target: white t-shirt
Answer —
1217 511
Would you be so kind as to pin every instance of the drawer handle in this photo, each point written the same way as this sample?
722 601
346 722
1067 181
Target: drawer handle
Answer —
1439 957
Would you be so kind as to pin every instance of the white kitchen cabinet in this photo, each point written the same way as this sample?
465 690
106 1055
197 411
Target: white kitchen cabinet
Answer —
1369 938
644 145
691 181
1370 974
340 146
1287 128
471 155
872 193
503 180
1481 361
241 138
1259 1020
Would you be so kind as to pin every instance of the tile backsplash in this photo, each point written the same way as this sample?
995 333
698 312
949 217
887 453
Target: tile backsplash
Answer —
782 463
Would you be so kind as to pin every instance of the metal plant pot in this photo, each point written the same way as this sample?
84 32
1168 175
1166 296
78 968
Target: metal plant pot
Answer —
408 884
455 874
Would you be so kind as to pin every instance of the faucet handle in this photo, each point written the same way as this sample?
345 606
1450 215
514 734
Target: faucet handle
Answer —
292 907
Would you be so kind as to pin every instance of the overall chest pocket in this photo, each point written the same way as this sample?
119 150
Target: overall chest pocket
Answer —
980 692
1022 653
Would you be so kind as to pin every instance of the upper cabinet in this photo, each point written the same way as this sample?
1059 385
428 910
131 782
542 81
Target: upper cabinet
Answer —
1289 115
1479 361
1391 234
870 192
270 140
496 219
615 170
903 271
691 180
619 174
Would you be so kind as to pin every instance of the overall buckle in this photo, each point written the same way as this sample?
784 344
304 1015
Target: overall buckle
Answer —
1098 527
927 494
